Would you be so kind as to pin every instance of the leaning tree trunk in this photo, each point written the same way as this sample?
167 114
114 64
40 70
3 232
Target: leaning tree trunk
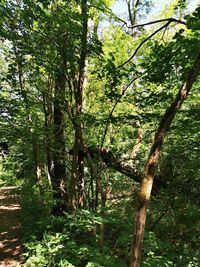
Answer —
149 170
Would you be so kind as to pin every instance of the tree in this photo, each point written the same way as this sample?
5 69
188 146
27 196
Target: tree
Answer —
149 169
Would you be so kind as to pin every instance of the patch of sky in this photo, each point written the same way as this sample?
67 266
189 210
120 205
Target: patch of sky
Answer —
120 7
158 8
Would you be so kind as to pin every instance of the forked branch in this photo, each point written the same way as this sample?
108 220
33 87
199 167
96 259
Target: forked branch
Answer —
150 36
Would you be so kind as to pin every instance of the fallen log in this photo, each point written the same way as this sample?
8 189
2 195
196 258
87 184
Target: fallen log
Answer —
119 165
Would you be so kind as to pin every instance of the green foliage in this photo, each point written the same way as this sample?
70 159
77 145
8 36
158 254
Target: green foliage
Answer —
173 53
193 21
6 176
72 240
75 238
35 210
161 251
37 36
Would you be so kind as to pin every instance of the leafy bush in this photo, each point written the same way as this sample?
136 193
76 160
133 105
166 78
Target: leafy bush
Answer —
76 244
92 239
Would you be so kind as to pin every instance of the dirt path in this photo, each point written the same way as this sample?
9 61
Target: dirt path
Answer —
10 231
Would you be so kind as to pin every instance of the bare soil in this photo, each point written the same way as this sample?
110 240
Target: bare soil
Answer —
10 228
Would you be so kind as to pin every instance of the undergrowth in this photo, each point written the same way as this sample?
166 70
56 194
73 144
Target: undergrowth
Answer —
93 239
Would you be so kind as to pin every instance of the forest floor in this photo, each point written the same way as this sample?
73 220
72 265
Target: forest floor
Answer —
10 228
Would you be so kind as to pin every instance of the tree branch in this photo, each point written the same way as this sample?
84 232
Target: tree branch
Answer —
118 165
114 106
157 21
149 37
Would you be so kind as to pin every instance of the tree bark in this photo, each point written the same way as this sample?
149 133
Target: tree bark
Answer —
132 13
77 183
48 125
119 165
77 194
59 179
149 169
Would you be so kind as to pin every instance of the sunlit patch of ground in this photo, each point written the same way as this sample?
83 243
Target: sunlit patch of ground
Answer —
10 229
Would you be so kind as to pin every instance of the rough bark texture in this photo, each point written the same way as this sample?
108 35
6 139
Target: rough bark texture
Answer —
149 170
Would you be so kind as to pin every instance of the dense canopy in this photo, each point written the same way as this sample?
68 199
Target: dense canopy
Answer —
99 113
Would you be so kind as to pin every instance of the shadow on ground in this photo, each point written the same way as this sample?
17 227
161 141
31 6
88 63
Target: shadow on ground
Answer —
10 229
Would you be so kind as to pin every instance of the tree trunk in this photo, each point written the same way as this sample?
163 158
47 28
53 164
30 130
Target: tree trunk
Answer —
132 13
59 181
77 193
48 125
77 183
38 171
149 170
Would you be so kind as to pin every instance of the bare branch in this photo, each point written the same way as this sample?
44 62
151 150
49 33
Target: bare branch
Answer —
151 35
158 21
144 41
